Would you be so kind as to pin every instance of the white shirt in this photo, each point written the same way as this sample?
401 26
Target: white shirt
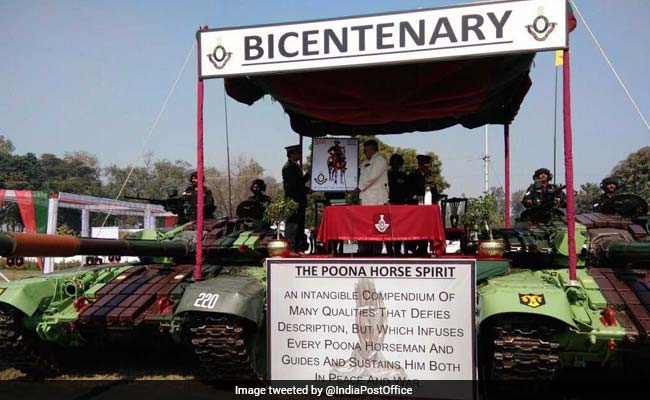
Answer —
373 181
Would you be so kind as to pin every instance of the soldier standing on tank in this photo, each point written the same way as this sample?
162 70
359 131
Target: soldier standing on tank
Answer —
610 186
293 181
542 197
418 181
189 200
397 194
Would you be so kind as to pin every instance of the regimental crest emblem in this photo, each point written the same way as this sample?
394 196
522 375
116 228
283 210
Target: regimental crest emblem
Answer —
541 28
219 57
320 179
381 225
532 300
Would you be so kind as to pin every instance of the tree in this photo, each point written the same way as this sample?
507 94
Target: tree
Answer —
156 179
515 202
6 146
589 194
20 172
498 194
77 172
635 172
243 171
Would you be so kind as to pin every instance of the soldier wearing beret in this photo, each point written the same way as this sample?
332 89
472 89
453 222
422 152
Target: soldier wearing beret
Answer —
293 181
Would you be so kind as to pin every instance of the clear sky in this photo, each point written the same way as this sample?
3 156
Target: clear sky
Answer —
92 76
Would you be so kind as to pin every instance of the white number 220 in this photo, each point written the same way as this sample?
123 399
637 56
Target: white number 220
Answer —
206 300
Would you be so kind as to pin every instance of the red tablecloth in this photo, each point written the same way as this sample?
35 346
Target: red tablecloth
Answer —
383 223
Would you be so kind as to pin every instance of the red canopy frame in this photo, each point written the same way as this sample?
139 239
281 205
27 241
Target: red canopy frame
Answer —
507 100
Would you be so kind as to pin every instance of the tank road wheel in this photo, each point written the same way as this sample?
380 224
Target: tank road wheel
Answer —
19 349
224 345
519 348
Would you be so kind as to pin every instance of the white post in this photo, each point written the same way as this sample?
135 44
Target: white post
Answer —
148 220
486 161
85 222
52 214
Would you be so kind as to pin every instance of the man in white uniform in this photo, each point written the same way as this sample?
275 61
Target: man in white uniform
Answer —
373 187
373 181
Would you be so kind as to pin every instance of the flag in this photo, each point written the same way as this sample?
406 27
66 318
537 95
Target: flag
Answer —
33 211
559 57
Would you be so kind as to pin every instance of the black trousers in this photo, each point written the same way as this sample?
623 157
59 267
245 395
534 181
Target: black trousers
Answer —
417 247
294 230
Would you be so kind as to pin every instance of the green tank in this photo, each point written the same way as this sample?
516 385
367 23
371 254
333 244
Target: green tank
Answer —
537 324
533 323
219 318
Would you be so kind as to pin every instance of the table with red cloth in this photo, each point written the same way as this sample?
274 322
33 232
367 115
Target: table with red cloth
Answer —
384 223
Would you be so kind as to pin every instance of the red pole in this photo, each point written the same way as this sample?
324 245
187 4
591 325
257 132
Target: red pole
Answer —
199 171
506 161
568 166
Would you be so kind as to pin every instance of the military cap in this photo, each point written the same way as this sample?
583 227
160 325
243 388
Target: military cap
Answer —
423 158
293 148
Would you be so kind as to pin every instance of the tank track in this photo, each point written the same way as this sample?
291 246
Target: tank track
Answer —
523 351
18 350
220 343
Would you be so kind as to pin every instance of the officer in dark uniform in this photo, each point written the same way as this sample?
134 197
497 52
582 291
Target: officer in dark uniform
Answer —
418 181
542 199
397 181
189 200
610 186
397 194
294 181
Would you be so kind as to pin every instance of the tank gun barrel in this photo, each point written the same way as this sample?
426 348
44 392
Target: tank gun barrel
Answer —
632 252
40 245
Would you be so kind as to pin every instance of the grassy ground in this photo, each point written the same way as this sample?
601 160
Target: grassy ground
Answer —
14 274
120 364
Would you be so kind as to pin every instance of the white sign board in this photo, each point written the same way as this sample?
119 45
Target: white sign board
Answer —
334 165
364 320
432 34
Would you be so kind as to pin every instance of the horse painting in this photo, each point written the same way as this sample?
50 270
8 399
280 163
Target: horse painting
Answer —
336 164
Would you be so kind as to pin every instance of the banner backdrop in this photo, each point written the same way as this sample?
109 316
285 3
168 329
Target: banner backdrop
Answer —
33 210
334 164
